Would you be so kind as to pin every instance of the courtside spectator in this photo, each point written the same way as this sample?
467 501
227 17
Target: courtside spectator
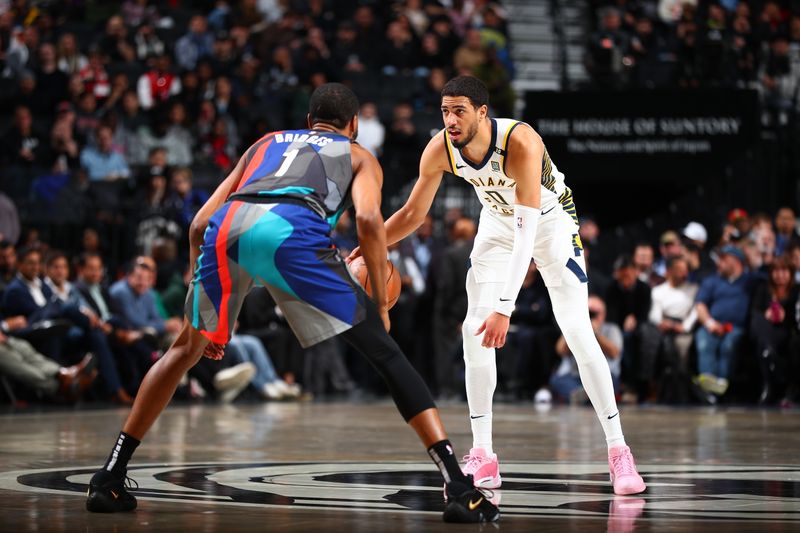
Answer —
669 246
8 264
700 263
22 363
92 325
667 335
627 302
771 327
643 260
723 304
785 230
137 304
566 381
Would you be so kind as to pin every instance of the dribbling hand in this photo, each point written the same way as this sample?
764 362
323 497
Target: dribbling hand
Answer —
214 351
353 255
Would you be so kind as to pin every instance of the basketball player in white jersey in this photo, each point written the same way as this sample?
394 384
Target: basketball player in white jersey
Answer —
527 212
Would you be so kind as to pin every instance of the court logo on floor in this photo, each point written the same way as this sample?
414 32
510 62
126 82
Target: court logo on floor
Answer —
742 493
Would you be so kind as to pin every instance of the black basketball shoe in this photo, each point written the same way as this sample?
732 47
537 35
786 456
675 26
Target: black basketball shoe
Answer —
108 494
470 506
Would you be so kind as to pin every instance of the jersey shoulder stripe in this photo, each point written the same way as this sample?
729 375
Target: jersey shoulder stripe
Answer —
504 148
547 164
448 148
254 158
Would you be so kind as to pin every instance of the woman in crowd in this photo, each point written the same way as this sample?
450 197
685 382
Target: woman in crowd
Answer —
771 324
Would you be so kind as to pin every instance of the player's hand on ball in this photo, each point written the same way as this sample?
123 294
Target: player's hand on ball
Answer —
354 254
494 330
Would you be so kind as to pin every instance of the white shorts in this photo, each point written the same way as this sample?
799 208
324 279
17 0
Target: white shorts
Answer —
558 252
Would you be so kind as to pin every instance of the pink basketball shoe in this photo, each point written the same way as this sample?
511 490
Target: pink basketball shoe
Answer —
484 468
624 477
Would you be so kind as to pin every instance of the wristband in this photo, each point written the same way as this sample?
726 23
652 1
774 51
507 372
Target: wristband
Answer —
526 220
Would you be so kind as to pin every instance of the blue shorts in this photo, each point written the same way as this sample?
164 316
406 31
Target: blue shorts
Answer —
284 247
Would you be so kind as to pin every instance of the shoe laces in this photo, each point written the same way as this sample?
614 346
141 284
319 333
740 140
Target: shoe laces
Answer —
130 483
474 461
623 464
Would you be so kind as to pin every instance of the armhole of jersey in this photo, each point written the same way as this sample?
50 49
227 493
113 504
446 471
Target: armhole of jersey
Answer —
450 158
248 155
504 148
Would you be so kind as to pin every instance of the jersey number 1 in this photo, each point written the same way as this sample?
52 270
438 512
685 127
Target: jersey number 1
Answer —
287 162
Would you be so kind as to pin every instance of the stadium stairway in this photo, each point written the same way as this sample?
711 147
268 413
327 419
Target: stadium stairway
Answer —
536 28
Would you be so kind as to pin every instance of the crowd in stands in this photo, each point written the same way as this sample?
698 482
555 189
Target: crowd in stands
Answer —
693 315
120 119
690 44
117 119
704 315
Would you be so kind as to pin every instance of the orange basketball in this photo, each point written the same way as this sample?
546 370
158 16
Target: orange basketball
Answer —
359 270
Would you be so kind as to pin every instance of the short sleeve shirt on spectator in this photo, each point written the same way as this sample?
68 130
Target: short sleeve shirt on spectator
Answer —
727 300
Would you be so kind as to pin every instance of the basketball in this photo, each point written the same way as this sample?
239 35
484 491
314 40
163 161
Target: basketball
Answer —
359 270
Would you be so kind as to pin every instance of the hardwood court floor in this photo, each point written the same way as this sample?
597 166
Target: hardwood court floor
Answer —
357 467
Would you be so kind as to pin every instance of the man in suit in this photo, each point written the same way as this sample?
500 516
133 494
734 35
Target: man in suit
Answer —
135 352
28 300
89 285
28 296
8 264
92 331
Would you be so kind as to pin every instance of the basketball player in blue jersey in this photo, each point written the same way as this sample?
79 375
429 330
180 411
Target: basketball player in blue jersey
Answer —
527 212
269 224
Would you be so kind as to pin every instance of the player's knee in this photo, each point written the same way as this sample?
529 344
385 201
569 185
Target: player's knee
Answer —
470 325
181 357
382 351
468 329
384 357
475 354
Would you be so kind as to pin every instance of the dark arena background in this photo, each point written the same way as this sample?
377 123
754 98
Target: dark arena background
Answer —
675 125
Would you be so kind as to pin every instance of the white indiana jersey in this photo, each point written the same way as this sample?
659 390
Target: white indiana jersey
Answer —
494 188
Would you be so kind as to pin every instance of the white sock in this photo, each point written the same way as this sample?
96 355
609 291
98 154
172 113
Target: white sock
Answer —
482 431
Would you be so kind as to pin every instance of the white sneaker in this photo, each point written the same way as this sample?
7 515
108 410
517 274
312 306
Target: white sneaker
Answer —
289 390
272 391
543 395
231 381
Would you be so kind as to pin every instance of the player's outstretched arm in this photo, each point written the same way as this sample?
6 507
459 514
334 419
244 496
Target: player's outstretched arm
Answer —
366 194
432 165
200 221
